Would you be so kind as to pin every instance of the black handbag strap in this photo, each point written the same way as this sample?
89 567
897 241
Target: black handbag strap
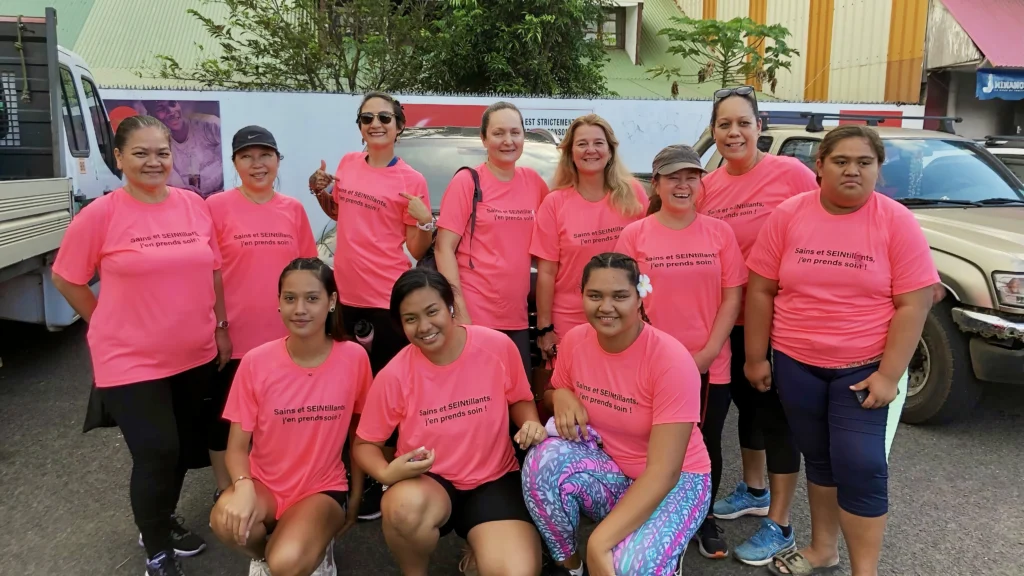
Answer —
478 195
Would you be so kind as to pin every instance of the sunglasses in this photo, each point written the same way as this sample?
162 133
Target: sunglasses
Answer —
739 91
366 118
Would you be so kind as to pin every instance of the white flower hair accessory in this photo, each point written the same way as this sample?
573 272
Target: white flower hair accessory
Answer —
644 286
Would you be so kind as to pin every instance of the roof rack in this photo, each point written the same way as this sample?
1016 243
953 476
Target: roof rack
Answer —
815 121
997 139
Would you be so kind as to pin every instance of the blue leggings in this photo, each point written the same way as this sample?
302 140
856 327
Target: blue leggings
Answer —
563 478
844 445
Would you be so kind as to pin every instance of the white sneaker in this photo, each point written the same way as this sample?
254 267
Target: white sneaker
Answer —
327 567
679 566
258 568
467 565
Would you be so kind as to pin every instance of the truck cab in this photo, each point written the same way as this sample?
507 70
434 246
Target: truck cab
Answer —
57 153
971 209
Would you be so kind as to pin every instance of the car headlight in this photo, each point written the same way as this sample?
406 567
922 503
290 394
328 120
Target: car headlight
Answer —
1009 288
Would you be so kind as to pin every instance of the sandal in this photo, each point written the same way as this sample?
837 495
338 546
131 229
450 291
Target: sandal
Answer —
797 565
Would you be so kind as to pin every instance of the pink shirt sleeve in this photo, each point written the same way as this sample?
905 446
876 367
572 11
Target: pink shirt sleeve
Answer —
766 254
675 388
517 387
544 244
803 179
384 408
641 195
457 203
241 406
562 375
364 379
218 261
734 269
416 186
541 186
626 244
909 254
79 253
307 244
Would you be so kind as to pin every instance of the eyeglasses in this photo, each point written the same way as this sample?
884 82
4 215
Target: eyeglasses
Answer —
366 118
738 91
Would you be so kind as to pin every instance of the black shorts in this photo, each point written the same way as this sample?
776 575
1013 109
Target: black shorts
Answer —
217 427
500 499
339 496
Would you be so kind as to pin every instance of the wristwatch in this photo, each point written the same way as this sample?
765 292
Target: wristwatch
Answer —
223 324
429 226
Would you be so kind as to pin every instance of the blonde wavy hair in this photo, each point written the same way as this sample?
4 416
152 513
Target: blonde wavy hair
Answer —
617 177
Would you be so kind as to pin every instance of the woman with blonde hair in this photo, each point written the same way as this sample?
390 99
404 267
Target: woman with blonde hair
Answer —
593 197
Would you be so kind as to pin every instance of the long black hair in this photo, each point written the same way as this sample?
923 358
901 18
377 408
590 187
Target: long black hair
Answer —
616 261
413 280
335 326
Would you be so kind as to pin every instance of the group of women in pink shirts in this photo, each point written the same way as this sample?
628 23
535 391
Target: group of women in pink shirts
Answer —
798 297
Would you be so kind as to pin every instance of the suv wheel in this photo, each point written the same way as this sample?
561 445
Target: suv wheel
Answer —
941 385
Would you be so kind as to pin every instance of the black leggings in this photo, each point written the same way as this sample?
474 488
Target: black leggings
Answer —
714 406
762 422
161 424
388 341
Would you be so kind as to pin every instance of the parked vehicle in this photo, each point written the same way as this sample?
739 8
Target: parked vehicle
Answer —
971 208
58 155
438 153
1009 150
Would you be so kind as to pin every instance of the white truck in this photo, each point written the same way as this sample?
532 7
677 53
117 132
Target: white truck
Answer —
56 156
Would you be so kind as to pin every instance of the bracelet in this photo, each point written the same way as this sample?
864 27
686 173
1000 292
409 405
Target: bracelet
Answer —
242 478
545 330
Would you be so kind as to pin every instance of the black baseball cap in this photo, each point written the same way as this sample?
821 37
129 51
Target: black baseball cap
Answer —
252 136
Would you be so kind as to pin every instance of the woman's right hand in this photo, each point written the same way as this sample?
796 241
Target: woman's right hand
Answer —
409 465
320 180
759 374
569 412
547 343
240 510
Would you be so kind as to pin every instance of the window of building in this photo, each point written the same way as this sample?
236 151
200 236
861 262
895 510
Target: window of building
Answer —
611 31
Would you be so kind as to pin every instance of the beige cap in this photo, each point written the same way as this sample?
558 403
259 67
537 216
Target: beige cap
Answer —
675 158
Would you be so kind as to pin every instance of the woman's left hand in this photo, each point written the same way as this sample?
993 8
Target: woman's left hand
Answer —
417 209
531 434
223 348
881 390
599 560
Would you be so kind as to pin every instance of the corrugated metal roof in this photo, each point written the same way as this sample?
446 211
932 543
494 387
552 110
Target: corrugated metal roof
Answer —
995 26
71 15
122 36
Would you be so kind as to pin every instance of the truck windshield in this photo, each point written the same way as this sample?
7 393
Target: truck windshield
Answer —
933 169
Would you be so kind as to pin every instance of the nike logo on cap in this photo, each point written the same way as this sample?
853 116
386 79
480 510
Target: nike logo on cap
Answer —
251 136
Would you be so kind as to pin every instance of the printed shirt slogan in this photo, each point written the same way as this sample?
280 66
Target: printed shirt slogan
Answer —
362 199
744 209
606 398
838 258
511 215
311 413
264 239
168 239
598 236
682 259
455 410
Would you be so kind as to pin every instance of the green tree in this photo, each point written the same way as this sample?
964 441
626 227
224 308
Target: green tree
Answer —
320 45
516 47
726 53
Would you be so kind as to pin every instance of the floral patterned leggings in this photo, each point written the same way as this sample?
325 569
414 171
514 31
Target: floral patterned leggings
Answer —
563 478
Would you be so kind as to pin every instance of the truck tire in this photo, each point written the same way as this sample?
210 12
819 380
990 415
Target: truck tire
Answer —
942 386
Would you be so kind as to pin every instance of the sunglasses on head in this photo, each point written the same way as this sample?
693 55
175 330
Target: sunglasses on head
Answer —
738 91
366 118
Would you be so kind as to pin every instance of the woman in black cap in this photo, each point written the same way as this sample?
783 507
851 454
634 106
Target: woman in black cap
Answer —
259 232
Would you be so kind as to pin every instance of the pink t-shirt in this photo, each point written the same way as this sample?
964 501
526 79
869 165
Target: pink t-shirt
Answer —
257 241
838 274
154 317
691 267
372 221
652 382
745 202
448 409
497 286
570 231
299 417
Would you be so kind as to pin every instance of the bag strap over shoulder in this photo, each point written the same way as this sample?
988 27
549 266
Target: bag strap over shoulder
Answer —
477 198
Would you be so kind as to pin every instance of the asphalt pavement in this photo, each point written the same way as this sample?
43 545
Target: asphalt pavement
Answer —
956 504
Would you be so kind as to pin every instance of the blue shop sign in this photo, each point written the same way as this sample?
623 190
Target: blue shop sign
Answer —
1001 84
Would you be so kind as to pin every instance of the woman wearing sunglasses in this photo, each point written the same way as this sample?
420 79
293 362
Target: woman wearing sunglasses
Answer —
743 192
380 203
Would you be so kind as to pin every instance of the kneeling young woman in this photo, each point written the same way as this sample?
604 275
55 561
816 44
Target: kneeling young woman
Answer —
644 473
457 469
295 399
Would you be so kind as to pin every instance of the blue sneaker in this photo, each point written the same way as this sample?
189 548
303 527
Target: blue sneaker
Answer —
741 503
764 544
